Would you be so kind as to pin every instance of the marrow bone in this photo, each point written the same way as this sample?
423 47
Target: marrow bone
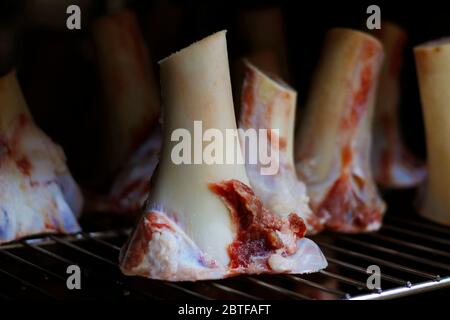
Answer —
333 143
206 206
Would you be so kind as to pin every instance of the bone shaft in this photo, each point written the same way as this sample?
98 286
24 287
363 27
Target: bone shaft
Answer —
196 86
433 70
393 39
130 90
341 99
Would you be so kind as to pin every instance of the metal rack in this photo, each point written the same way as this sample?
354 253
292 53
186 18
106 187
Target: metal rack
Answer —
413 255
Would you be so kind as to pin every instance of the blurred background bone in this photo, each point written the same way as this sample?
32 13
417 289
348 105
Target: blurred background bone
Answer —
394 165
130 95
433 70
38 193
334 139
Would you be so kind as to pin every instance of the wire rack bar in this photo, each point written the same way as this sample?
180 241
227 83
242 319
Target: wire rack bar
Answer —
380 261
342 279
397 253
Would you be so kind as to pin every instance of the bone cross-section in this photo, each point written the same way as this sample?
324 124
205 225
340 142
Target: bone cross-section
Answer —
268 103
393 164
333 143
37 192
203 221
433 71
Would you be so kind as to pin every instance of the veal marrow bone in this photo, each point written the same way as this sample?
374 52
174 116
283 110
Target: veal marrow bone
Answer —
433 70
206 206
393 164
130 94
268 103
333 143
37 192
133 134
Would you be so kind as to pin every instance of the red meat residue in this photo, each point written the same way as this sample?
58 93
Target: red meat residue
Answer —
343 207
256 227
248 96
24 165
346 156
23 120
272 136
360 97
346 208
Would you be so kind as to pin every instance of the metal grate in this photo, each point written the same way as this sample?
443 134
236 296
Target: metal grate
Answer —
413 255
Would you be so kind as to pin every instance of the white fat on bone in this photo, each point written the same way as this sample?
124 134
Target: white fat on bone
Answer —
393 164
186 229
268 103
333 143
433 71
37 193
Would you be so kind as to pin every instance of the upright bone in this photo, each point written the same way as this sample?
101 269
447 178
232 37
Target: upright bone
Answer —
393 164
37 193
433 70
131 101
202 221
131 98
333 143
270 104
